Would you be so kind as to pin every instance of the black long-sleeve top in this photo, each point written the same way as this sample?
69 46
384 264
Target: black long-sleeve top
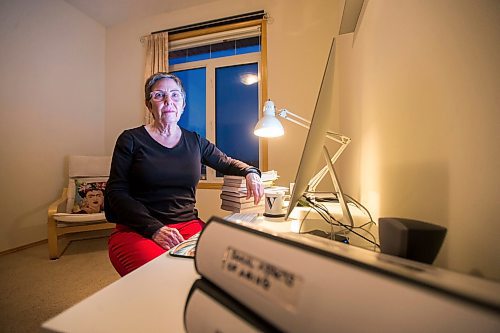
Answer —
151 186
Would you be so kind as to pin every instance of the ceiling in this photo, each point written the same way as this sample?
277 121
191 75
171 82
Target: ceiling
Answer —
111 12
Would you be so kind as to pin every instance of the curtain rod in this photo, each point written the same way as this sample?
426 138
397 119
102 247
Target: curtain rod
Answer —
217 22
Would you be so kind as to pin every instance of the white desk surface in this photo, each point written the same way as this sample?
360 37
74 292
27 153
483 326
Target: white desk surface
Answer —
150 299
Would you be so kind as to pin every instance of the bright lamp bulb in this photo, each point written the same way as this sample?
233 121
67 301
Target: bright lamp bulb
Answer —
269 126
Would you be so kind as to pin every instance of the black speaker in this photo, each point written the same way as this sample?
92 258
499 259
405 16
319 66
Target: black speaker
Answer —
412 239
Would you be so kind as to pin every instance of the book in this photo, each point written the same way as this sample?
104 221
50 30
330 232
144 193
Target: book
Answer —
235 182
233 194
242 205
257 209
269 175
232 189
265 176
226 314
243 183
237 198
282 276
187 248
249 265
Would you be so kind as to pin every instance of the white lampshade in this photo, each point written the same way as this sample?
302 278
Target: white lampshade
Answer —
269 126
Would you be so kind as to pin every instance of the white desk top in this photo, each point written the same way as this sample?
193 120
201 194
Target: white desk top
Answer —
138 302
150 299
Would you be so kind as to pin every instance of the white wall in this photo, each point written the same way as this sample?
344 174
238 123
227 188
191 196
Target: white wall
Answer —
51 105
416 94
419 97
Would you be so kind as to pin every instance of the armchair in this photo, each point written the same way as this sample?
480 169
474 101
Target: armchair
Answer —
79 209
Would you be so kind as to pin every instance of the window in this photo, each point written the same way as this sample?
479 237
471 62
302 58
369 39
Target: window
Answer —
223 73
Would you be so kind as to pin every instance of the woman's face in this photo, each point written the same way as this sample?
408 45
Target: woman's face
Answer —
95 199
170 108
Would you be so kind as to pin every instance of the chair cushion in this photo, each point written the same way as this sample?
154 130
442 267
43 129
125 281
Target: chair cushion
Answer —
65 217
86 195
88 166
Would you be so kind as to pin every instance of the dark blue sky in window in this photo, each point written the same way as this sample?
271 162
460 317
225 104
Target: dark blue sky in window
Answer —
194 116
237 112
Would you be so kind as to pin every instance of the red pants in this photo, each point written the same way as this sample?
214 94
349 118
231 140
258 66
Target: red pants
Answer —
128 250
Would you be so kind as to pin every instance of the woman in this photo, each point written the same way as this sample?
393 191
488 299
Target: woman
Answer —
151 189
93 197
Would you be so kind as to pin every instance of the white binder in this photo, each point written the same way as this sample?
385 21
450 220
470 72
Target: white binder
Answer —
307 284
209 309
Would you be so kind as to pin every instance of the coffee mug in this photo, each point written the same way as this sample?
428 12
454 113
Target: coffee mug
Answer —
274 204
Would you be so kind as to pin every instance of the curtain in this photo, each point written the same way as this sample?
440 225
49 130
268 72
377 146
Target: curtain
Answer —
156 60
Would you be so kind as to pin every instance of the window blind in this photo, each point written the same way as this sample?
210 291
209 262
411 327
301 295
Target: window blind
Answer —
215 38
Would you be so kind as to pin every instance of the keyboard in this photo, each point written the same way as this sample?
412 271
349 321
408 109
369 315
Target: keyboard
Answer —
242 217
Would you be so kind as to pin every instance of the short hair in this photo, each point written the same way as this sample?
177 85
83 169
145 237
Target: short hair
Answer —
150 82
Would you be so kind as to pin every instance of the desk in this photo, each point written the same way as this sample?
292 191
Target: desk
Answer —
306 219
152 298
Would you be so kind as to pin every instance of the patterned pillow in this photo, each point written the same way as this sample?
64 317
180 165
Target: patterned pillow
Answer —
86 195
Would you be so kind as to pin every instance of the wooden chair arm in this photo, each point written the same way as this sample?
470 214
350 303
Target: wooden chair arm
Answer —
56 205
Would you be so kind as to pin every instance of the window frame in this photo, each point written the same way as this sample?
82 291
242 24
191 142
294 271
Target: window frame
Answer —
260 58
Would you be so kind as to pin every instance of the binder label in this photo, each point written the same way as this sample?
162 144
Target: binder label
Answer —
264 277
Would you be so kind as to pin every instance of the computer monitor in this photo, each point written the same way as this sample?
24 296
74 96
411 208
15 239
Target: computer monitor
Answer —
315 144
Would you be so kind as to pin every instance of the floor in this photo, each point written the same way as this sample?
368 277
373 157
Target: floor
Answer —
33 288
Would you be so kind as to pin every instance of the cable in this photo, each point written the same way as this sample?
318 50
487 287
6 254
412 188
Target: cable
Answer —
359 205
321 209
325 214
350 200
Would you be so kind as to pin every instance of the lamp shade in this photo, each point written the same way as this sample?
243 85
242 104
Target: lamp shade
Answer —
269 126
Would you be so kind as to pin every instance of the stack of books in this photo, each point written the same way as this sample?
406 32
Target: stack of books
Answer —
234 193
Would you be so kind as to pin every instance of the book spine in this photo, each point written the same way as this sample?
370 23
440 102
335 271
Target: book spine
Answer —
283 277
257 209
241 205
226 314
242 199
233 189
230 208
238 262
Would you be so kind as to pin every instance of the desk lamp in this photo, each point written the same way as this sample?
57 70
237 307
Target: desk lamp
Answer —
269 126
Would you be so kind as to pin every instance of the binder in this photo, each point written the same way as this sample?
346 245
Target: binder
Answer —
209 309
309 284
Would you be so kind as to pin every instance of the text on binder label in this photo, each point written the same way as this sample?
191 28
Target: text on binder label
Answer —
269 279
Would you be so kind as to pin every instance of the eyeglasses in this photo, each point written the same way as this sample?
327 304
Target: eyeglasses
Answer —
161 95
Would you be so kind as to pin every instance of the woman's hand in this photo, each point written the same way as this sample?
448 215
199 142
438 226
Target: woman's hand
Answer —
167 237
254 187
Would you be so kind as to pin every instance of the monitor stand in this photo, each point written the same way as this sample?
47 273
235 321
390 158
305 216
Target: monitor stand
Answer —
346 214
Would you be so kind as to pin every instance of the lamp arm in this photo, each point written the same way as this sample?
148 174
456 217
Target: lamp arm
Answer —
296 119
342 139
